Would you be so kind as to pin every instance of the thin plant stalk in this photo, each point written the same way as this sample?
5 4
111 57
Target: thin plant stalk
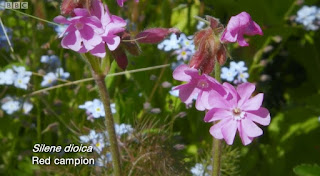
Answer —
109 124
217 143
99 78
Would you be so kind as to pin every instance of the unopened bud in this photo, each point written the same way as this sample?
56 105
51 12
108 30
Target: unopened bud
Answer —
121 58
221 55
131 46
155 35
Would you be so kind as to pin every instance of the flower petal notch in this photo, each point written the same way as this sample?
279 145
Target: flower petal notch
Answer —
240 25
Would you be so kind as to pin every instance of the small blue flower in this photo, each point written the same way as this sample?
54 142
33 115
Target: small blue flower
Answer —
169 44
228 74
309 17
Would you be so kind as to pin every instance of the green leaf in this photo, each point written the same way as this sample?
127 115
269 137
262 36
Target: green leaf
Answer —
307 170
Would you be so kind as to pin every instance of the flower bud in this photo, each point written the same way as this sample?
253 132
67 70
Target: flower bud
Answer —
221 55
131 46
155 35
120 57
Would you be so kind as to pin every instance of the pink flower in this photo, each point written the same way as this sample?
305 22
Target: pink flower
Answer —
90 32
198 85
83 32
235 111
238 26
112 25
120 2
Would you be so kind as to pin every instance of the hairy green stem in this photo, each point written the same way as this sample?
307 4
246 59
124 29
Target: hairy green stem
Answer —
98 76
109 123
217 143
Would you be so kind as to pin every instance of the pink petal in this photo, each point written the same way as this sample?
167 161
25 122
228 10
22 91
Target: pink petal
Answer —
261 116
250 128
217 101
120 2
94 23
89 38
229 131
244 137
217 114
81 12
97 8
253 103
253 29
186 92
242 41
70 28
179 73
203 97
72 40
235 97
112 42
99 50
61 19
215 130
216 85
245 91
199 103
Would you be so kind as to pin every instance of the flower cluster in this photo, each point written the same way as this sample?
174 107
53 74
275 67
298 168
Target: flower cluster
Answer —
232 109
90 31
198 170
18 76
309 17
95 109
51 78
11 105
236 73
99 141
54 71
183 47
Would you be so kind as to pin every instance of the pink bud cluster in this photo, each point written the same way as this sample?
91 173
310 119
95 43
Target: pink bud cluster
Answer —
92 30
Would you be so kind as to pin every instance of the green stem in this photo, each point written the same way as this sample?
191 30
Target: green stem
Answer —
39 123
109 123
217 143
98 76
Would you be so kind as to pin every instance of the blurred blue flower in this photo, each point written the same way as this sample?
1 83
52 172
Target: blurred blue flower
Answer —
228 74
10 105
3 39
61 74
198 170
52 60
103 160
49 79
309 17
236 70
200 25
123 129
169 44
60 29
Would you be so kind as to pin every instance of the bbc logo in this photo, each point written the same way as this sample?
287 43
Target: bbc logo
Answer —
16 5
